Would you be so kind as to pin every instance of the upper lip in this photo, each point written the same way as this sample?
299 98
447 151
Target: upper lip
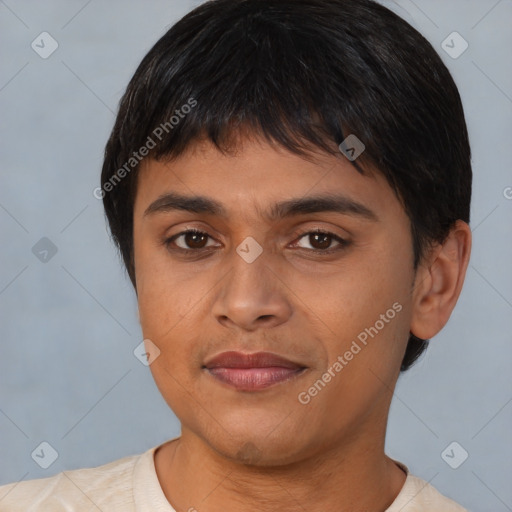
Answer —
242 360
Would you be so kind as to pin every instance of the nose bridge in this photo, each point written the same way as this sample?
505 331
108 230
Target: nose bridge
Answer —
251 294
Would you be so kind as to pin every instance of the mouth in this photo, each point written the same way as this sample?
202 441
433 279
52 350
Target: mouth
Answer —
252 372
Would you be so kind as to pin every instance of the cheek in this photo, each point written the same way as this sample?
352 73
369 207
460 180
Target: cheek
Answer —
166 302
172 314
156 304
368 303
355 300
165 294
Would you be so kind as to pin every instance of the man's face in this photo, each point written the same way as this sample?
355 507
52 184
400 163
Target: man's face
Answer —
307 298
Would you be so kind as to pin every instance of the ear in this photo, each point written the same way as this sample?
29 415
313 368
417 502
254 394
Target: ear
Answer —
438 282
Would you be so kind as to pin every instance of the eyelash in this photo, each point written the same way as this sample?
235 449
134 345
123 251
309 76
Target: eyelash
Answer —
342 242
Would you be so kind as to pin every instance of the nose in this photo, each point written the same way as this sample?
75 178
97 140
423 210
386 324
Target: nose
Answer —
252 296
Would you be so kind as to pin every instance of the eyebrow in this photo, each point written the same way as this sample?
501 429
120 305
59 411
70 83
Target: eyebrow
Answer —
292 207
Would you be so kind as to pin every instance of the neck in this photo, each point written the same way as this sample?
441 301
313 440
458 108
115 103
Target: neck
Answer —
351 475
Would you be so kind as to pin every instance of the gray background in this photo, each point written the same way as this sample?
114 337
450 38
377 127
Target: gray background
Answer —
69 326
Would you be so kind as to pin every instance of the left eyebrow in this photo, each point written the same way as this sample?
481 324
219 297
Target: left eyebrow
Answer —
291 207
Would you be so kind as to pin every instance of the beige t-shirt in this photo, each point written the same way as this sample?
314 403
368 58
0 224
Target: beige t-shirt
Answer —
131 484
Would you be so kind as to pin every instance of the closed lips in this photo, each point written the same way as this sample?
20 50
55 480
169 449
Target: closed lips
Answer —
245 361
252 372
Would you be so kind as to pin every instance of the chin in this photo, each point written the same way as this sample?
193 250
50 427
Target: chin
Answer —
257 448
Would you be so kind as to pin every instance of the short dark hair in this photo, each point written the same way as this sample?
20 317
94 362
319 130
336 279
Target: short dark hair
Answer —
302 74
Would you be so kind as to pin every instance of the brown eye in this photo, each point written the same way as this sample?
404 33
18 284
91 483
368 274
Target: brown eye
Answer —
190 240
195 240
322 241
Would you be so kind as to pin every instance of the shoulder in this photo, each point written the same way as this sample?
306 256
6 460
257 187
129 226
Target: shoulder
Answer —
417 495
109 485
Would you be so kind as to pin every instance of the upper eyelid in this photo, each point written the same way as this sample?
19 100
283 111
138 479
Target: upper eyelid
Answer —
341 240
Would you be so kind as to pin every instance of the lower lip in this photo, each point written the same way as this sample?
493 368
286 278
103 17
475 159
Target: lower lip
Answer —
253 379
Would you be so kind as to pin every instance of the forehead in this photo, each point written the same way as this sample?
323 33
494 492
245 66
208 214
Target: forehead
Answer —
258 180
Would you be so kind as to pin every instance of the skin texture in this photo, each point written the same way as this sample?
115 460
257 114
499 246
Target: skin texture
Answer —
266 450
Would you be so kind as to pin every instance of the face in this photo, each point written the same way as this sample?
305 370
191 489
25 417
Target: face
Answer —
282 321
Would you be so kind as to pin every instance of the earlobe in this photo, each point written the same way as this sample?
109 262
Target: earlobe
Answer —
439 282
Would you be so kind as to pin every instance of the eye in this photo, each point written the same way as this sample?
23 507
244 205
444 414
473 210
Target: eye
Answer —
194 240
320 241
190 240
